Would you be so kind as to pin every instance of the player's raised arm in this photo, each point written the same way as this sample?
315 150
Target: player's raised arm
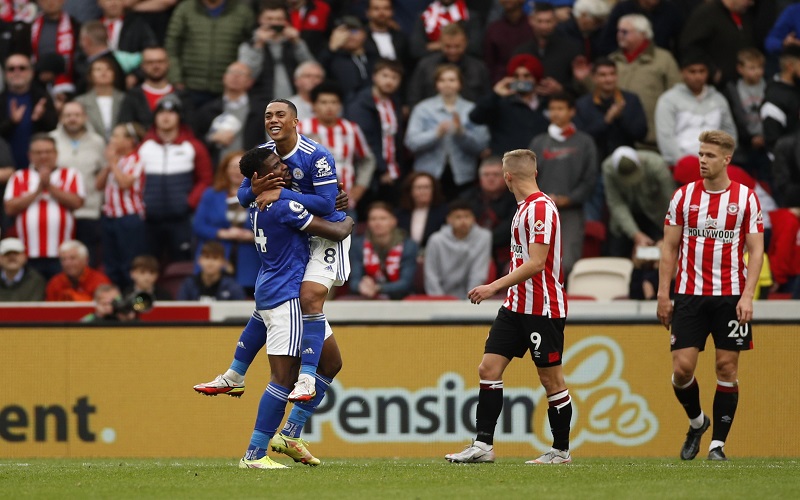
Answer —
334 231
321 203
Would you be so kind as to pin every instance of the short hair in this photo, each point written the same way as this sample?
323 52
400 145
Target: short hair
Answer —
490 161
406 200
516 159
274 5
145 263
105 288
389 64
221 180
444 68
564 96
96 32
72 103
640 23
453 29
298 71
327 87
380 205
17 54
598 9
74 245
749 54
459 204
212 248
543 7
106 59
253 161
603 62
724 140
692 58
41 136
289 103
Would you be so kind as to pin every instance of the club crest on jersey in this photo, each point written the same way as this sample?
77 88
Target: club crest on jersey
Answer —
296 207
711 223
323 169
297 174
733 208
538 227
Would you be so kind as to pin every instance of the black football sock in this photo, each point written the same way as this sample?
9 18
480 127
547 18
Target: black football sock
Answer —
560 414
689 397
490 404
726 399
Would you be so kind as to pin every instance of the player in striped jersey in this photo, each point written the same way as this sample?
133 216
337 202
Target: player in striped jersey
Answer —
532 317
709 224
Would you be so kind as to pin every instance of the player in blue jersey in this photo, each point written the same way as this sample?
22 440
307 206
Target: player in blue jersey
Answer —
281 238
313 174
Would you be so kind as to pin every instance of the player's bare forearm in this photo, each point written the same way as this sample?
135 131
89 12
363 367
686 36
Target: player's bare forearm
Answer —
518 275
334 231
755 249
666 271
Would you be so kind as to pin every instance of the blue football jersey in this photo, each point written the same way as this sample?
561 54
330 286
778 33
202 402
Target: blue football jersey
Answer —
283 250
313 171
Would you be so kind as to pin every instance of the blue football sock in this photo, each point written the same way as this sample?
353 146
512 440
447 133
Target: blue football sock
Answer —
303 410
252 339
271 409
311 346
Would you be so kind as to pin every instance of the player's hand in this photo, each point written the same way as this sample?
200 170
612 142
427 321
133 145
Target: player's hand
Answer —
664 311
342 200
481 293
266 183
744 310
267 197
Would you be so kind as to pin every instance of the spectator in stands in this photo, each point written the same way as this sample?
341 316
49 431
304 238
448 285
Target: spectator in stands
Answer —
94 45
144 278
178 169
556 51
25 108
54 31
612 116
384 260
422 207
307 75
786 170
446 143
457 256
785 31
211 283
311 18
503 36
221 218
18 281
140 101
384 39
221 121
567 165
345 59
274 54
43 198
664 16
513 111
780 112
202 40
102 102
378 113
643 68
719 30
453 51
784 248
130 33
745 97
494 207
105 298
689 108
586 26
77 281
154 14
81 148
638 188
122 179
426 36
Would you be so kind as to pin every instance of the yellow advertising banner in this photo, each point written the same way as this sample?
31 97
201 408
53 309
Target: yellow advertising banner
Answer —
404 391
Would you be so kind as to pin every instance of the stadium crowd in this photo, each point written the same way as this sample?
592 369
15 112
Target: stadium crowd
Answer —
122 123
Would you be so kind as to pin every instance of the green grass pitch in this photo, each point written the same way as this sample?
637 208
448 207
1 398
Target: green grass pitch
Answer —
401 478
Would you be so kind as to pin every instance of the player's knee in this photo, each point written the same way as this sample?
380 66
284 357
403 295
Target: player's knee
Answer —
488 372
312 299
726 371
329 368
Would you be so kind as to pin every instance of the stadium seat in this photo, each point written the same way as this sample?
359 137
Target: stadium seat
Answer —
175 274
604 278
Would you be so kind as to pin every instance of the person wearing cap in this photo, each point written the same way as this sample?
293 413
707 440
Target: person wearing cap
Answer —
638 187
345 59
178 170
18 281
612 116
513 111
689 108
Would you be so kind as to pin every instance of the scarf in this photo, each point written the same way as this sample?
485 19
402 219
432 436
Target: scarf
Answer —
388 117
632 55
17 10
561 134
373 267
437 16
65 46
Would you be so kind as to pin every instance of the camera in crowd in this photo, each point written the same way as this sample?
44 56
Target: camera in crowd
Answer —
521 86
136 302
277 28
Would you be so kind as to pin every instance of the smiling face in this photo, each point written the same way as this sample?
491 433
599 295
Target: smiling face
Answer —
280 121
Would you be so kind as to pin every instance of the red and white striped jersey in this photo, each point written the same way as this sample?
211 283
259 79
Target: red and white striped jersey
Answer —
121 202
344 140
45 224
537 221
715 226
389 126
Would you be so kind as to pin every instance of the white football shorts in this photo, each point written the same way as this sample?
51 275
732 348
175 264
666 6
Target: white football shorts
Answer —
284 328
329 264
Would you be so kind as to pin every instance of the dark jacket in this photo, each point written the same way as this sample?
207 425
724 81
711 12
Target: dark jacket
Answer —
780 111
592 45
352 72
473 70
512 123
556 57
136 35
227 289
29 289
494 214
47 122
666 19
134 107
437 216
628 129
786 170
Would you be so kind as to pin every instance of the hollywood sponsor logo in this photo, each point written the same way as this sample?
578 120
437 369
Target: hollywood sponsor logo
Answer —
725 235
605 409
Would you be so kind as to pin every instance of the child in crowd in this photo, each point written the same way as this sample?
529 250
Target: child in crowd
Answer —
745 96
144 276
210 283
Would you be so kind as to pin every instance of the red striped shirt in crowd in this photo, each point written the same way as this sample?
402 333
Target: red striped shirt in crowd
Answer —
389 125
537 221
45 224
344 140
121 202
715 226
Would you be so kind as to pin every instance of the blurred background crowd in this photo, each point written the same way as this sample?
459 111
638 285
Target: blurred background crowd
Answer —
122 123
